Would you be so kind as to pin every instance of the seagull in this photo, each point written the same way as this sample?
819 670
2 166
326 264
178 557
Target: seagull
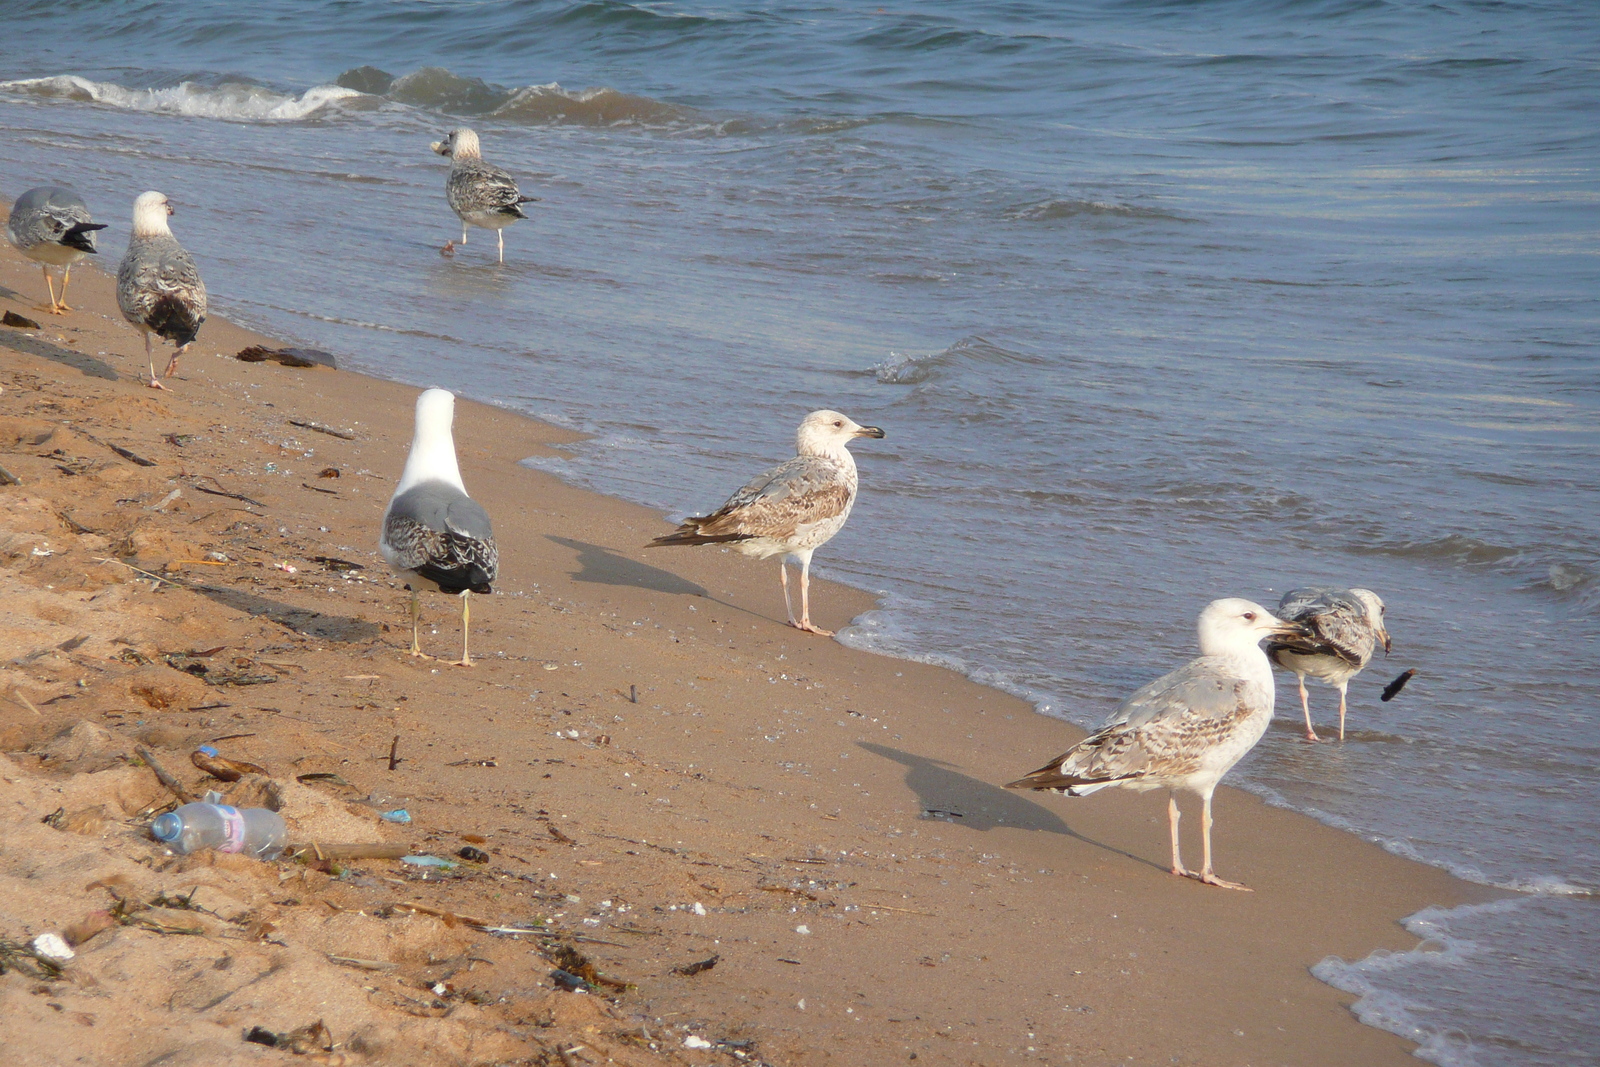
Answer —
52 227
158 286
432 529
1345 625
481 194
791 510
1185 730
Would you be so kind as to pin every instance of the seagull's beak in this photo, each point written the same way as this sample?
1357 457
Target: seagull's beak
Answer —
1285 628
1383 635
868 431
441 147
171 210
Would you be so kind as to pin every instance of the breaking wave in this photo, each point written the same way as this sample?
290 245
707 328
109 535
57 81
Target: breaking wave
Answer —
236 101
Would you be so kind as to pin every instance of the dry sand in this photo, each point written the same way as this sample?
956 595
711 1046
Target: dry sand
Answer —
764 800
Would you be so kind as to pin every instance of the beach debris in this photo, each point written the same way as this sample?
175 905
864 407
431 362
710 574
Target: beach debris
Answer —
486 761
287 357
556 833
7 478
84 929
319 489
328 472
52 947
1392 690
571 964
689 970
398 815
360 964
306 1040
334 563
695 1041
361 850
222 490
475 855
429 861
317 427
207 759
24 959
286 567
394 750
321 777
20 322
164 776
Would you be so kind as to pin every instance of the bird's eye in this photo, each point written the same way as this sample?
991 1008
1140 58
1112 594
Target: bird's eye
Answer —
1249 616
839 424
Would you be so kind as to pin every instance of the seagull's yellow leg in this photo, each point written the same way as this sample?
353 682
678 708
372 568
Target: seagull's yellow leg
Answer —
416 615
466 615
1206 874
55 307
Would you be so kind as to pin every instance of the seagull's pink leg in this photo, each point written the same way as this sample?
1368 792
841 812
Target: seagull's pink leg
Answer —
1342 689
788 608
1206 874
1305 706
805 602
1173 815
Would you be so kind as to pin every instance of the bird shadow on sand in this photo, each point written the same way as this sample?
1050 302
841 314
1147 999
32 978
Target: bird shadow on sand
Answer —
35 346
339 628
947 795
604 567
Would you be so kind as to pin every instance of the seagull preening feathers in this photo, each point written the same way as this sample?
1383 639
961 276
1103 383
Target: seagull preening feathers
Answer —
1345 627
1185 730
480 194
158 285
791 510
52 227
433 531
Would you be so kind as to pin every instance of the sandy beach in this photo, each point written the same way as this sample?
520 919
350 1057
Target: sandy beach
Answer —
659 769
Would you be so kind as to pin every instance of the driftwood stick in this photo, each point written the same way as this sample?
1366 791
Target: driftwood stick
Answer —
163 774
394 747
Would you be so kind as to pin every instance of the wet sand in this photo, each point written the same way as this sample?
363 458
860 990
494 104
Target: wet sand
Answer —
660 768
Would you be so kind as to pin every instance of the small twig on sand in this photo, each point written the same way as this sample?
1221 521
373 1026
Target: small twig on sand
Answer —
7 478
320 428
25 702
136 570
163 774
220 491
394 747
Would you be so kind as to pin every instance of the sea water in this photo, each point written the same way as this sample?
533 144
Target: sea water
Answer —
1157 301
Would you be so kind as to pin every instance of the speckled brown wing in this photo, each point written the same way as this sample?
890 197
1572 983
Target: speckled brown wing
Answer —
1338 623
803 491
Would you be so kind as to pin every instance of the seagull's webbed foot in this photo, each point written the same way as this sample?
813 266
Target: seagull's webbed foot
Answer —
465 661
154 383
449 249
54 309
1313 738
1208 878
805 624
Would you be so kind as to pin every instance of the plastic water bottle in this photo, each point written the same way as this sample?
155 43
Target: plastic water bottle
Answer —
207 824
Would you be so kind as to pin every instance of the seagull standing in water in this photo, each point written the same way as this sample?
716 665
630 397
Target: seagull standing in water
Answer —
480 194
791 510
158 286
433 530
52 227
1185 730
1345 626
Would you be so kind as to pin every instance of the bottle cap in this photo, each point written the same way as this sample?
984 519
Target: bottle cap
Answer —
166 827
210 750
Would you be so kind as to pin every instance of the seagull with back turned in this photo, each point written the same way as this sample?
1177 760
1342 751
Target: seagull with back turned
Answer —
158 285
1185 730
790 510
433 530
1345 627
479 193
52 227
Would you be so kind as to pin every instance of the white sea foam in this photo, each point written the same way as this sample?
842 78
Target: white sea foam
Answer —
234 101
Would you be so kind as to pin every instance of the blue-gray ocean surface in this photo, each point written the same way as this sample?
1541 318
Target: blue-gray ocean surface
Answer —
1158 301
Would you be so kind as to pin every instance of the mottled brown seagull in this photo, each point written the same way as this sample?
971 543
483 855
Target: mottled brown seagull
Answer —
1185 730
1346 626
158 285
480 193
791 510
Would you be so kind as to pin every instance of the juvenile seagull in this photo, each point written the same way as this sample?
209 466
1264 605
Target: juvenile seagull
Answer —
1185 730
790 511
52 227
432 529
479 193
158 286
1345 625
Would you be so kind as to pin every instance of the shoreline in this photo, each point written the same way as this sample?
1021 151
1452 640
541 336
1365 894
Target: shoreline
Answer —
777 781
